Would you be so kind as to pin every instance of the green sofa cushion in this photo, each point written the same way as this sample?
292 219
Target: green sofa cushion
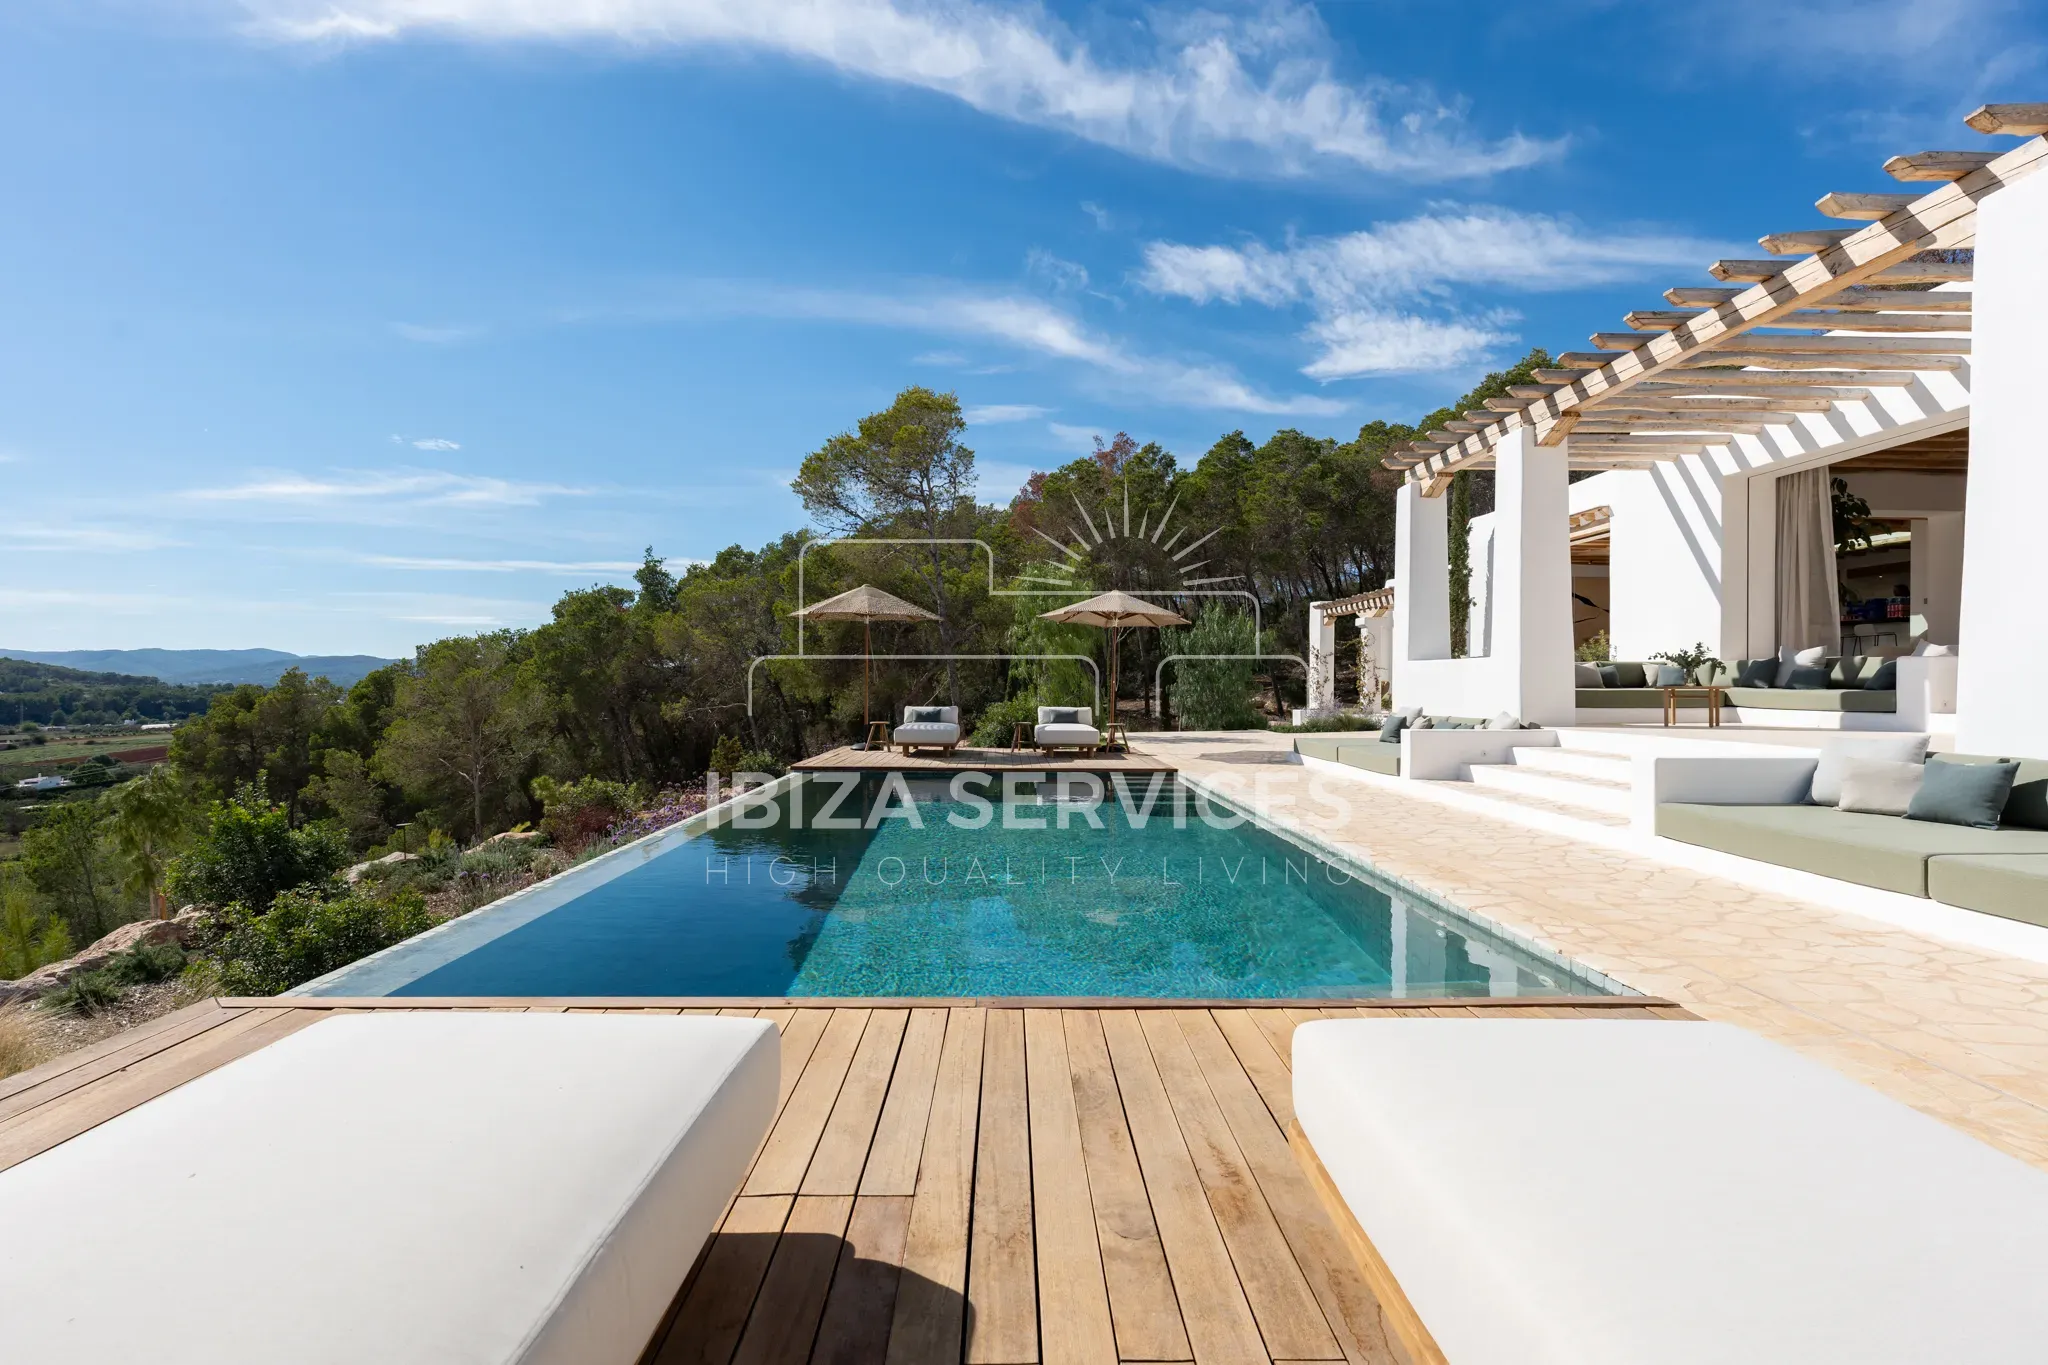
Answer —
1373 758
1322 746
2027 807
1884 851
1647 698
2011 885
1816 699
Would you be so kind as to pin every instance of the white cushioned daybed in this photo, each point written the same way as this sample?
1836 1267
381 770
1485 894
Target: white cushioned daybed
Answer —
1054 732
1593 1192
920 730
396 1188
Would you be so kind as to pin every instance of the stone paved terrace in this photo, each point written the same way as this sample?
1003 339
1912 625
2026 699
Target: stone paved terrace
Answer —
1957 1032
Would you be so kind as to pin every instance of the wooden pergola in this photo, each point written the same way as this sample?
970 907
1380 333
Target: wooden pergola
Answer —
1832 316
1378 602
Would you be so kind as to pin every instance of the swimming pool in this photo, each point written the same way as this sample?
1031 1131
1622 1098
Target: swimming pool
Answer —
841 885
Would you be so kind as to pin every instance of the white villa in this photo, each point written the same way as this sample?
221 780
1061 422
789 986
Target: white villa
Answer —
1672 485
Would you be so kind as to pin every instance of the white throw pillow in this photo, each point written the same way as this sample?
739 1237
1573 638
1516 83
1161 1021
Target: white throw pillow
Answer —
1926 650
1877 787
1587 675
1503 721
1789 659
1827 777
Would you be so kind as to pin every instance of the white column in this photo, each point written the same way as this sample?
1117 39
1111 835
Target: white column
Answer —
1322 660
1937 575
2002 650
1375 654
1532 578
1422 568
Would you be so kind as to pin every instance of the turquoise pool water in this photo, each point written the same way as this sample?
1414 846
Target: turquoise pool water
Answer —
927 895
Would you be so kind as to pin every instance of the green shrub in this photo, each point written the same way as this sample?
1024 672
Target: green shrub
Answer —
28 937
577 812
145 964
86 993
249 852
1325 724
1215 694
993 730
1595 650
305 934
760 761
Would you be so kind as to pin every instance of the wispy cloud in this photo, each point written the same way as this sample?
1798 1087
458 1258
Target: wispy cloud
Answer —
1254 94
548 566
436 443
1104 220
411 486
1023 321
1361 287
434 336
105 538
1075 438
992 414
950 360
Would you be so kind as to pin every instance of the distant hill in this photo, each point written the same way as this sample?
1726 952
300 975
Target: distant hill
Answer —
260 666
52 695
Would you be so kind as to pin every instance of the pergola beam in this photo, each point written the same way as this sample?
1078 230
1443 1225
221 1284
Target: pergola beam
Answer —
1937 165
2023 120
1869 207
1941 219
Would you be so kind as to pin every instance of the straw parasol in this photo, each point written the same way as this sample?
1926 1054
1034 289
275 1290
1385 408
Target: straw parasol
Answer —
1114 612
866 604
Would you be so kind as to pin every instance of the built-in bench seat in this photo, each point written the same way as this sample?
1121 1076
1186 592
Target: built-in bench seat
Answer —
1814 699
2001 871
1360 749
1845 692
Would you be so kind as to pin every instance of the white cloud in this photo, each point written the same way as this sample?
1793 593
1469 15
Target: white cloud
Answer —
498 565
1104 219
1080 439
991 414
82 538
1365 342
433 336
436 443
1254 95
1362 287
1031 324
1054 273
944 359
408 486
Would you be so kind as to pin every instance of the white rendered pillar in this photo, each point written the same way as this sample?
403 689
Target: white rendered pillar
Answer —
1322 660
1532 579
1375 657
1937 575
1422 568
2002 653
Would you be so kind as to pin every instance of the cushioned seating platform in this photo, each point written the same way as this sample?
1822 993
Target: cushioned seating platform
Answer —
395 1188
2011 885
1643 698
1872 850
1372 757
1814 699
1325 746
1615 1192
925 734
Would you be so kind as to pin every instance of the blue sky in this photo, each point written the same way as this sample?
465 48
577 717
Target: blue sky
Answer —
339 325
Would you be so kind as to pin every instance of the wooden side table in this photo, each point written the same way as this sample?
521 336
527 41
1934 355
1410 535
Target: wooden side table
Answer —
1713 694
878 735
1020 734
1114 734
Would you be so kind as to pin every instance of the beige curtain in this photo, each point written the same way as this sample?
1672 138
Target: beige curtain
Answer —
1809 602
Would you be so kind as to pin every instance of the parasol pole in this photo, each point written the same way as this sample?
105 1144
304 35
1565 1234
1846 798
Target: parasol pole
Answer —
866 651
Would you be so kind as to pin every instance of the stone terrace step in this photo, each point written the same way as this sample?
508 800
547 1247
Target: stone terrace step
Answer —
1581 763
1557 788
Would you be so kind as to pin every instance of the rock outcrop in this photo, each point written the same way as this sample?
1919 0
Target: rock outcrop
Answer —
179 930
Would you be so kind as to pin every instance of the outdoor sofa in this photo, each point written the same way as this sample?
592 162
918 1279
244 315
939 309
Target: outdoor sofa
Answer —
928 727
1440 747
1616 1191
408 1189
1066 727
1758 807
1852 684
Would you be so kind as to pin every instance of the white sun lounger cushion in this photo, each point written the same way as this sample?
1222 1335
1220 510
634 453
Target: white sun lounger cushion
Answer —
1593 1192
399 1188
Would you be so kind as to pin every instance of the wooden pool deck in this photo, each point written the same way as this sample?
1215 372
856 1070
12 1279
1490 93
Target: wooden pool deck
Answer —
950 1182
853 758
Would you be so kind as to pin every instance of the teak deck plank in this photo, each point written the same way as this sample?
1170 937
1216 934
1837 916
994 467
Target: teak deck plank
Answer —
142 1039
1289 1318
1219 1321
931 1300
1073 1298
716 1307
1002 1268
1347 1302
855 1329
795 1136
792 1297
1267 1070
1142 1305
899 1136
843 1150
